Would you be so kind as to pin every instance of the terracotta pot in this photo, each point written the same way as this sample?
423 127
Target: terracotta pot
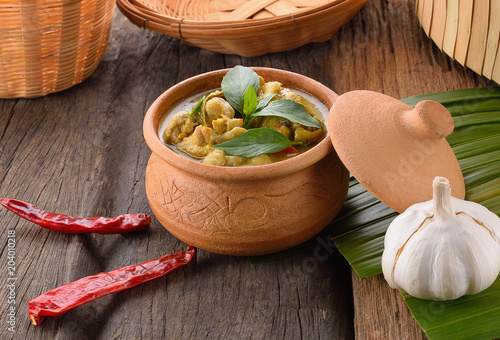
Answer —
243 210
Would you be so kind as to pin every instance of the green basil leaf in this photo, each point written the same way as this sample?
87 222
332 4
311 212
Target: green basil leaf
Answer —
197 107
256 142
263 103
236 82
250 102
290 110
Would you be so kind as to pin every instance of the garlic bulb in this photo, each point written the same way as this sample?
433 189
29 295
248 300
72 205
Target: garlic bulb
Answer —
442 249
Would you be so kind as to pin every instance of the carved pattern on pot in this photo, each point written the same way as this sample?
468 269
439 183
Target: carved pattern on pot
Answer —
215 214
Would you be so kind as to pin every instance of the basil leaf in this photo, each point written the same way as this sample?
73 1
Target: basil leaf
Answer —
290 110
197 107
236 82
256 142
250 102
263 103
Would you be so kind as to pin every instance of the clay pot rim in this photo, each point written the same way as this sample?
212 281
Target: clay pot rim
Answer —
182 90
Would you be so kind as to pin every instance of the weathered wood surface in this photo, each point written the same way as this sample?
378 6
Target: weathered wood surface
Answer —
81 152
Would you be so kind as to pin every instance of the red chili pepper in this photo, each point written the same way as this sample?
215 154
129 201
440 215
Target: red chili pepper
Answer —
64 298
72 225
288 151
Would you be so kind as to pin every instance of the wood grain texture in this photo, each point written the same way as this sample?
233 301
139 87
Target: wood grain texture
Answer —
81 152
381 313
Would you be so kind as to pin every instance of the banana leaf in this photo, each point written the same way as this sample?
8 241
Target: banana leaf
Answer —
470 317
358 230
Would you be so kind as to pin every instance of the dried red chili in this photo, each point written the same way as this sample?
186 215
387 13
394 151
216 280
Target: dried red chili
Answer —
64 298
73 225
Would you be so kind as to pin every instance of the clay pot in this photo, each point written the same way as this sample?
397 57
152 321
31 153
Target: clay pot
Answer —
243 210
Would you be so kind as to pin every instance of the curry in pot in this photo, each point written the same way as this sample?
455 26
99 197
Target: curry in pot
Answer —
247 122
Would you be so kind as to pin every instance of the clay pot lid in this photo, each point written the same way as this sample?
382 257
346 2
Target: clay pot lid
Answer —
393 149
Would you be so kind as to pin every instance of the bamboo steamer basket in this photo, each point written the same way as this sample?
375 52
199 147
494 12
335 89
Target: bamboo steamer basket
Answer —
244 27
48 46
466 30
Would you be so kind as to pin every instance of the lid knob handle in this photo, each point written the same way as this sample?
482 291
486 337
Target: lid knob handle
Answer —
431 119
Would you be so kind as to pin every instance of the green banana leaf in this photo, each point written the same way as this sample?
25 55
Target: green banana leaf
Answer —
358 230
470 317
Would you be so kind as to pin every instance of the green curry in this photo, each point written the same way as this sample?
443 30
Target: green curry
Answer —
248 122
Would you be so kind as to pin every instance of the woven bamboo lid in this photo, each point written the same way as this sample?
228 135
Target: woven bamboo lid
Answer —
243 27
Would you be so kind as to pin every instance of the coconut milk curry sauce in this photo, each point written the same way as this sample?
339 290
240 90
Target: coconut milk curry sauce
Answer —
200 127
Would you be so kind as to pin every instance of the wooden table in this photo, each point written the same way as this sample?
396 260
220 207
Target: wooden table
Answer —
81 152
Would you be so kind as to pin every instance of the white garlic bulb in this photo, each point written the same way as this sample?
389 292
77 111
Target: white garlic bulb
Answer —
442 249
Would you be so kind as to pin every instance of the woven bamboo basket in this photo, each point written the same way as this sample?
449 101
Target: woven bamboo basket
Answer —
244 27
466 30
50 45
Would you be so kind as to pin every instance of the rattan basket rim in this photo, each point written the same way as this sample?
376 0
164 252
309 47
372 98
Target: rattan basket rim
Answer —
145 14
238 32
